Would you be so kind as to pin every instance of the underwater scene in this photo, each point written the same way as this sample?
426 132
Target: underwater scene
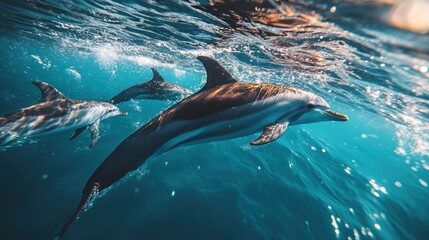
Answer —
214 119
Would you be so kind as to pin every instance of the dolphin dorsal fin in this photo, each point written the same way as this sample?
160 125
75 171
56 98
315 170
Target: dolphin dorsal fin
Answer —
49 93
216 73
156 76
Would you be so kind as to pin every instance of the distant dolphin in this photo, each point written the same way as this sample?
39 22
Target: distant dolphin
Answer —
222 109
54 112
157 89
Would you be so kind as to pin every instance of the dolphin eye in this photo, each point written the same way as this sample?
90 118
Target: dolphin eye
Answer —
310 106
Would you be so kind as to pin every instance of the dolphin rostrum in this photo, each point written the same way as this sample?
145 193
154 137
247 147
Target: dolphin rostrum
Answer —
156 89
54 112
223 109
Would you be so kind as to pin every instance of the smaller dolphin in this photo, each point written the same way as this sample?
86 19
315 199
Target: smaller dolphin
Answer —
156 89
54 112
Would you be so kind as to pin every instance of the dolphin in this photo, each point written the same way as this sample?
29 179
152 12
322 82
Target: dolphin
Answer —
53 113
223 109
156 89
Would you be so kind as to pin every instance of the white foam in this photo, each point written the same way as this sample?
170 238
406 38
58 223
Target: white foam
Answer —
106 54
148 62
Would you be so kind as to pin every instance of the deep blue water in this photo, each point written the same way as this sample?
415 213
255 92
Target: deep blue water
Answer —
363 179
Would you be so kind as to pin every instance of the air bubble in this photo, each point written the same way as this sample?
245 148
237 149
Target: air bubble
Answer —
423 183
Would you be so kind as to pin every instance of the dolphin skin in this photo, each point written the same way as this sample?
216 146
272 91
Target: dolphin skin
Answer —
54 112
223 109
156 89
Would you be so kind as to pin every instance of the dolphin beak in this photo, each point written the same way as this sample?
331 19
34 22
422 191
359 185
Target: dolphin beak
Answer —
123 113
335 116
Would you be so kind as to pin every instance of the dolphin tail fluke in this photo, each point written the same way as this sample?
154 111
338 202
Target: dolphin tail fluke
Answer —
88 194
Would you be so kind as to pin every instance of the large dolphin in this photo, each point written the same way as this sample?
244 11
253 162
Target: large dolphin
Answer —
223 109
157 89
54 112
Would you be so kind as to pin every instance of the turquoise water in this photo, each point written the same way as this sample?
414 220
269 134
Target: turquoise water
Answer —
362 179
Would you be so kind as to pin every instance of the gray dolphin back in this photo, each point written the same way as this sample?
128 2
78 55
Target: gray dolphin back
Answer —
156 89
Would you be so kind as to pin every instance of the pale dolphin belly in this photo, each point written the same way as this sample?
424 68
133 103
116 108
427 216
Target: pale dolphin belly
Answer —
233 123
220 127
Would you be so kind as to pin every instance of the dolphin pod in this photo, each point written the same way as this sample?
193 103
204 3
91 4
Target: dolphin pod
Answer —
54 112
223 109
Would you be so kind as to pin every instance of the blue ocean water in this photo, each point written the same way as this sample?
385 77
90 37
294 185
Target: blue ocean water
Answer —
362 179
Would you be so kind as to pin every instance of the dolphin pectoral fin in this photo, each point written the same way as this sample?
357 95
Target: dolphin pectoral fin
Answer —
77 132
95 133
88 194
48 92
271 133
